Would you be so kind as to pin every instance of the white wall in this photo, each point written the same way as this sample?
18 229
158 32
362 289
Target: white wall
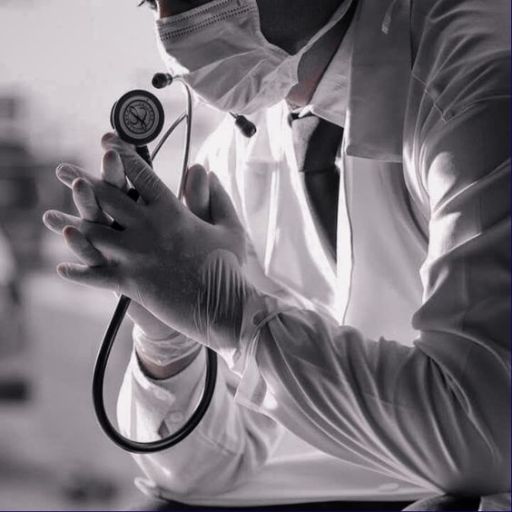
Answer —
72 59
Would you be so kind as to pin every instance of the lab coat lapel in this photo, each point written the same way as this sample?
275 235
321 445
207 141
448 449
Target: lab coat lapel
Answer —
379 80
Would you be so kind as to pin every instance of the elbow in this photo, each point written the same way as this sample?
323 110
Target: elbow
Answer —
486 469
479 479
477 465
465 415
222 475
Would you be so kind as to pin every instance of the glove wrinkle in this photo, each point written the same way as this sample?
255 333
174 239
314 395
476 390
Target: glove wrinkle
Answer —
219 310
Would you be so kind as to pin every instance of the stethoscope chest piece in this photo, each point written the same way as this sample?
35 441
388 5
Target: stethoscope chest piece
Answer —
138 117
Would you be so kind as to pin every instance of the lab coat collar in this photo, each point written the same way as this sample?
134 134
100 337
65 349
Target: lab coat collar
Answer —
329 100
379 80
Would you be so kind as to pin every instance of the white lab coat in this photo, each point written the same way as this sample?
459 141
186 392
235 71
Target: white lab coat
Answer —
395 363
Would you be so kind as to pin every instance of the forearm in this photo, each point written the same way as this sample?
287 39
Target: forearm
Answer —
389 407
393 408
164 356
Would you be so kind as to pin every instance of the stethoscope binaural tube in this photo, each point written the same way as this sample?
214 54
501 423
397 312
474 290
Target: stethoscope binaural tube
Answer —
246 127
138 118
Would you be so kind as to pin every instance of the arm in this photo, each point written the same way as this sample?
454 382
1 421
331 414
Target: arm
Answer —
226 448
166 373
438 413
231 443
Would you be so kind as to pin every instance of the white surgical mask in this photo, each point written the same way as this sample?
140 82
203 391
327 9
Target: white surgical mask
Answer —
220 52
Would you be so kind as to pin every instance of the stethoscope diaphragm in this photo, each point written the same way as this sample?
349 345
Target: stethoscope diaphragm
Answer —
138 117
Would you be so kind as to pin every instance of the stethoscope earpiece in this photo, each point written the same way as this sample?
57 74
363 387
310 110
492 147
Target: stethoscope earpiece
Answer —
162 80
248 128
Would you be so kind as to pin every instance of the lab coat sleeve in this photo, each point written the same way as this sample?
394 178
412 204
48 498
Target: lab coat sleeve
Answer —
228 446
231 443
438 413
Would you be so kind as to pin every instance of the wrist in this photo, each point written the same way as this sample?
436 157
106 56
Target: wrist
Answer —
156 371
163 352
156 333
222 301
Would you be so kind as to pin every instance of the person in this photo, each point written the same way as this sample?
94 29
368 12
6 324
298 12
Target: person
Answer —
366 331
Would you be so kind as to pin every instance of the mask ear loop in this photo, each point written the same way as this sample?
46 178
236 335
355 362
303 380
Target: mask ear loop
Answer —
113 329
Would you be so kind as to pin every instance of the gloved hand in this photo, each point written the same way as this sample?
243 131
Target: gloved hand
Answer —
159 347
80 182
184 270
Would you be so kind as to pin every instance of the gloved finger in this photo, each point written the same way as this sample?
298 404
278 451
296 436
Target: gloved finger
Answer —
67 173
197 192
56 221
143 178
79 244
222 210
112 170
112 201
98 277
86 203
106 239
102 237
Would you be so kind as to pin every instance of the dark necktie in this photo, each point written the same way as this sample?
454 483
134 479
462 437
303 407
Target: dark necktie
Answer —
317 143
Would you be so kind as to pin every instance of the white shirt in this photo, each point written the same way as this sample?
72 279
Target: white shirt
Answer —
402 375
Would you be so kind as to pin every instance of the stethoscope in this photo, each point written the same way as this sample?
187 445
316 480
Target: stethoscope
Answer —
138 118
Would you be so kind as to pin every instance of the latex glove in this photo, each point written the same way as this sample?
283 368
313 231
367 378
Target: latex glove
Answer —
184 270
80 182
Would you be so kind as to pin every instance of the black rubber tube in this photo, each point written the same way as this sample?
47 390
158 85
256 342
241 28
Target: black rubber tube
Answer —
99 404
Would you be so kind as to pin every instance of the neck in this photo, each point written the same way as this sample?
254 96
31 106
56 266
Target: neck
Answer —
315 62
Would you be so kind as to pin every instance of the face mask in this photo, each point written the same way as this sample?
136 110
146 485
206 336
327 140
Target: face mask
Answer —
220 52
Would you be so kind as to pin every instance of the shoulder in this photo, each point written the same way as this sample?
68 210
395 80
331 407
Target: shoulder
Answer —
461 51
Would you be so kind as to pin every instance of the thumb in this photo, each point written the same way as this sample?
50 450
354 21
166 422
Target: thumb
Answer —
197 192
142 176
222 210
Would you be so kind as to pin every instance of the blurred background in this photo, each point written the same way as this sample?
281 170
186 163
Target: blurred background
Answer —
62 65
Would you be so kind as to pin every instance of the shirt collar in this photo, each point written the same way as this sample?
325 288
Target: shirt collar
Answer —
365 86
379 80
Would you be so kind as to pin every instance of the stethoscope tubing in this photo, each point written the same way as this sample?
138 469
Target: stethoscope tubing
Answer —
121 309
